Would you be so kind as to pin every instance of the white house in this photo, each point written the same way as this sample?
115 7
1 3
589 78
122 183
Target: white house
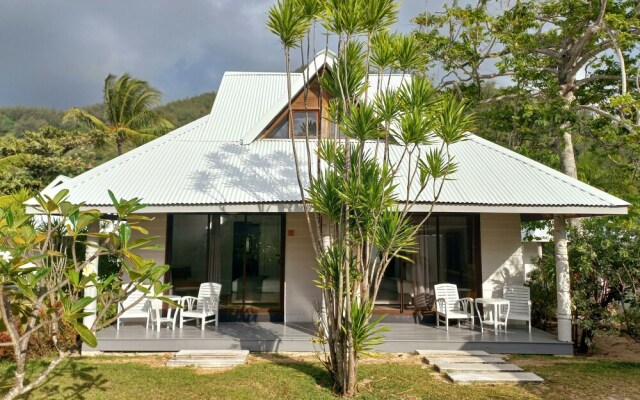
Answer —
225 203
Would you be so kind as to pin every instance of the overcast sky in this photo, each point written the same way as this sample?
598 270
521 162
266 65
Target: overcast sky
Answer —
57 53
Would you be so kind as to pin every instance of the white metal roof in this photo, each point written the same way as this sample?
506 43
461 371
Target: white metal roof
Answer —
175 170
215 161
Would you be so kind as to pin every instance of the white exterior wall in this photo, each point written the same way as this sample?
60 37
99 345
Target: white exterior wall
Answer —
501 252
301 295
156 227
531 253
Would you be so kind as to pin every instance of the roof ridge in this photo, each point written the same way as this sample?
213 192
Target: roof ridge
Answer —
138 151
553 173
261 73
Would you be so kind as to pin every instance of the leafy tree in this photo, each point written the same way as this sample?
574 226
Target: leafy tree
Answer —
357 203
129 113
32 161
605 281
543 46
566 60
43 278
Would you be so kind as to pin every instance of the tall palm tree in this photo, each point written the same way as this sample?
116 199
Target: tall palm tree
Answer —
128 110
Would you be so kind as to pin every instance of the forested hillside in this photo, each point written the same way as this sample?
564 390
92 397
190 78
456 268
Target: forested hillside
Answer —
36 145
14 121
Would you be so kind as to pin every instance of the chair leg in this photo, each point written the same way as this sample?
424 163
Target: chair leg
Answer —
118 324
203 323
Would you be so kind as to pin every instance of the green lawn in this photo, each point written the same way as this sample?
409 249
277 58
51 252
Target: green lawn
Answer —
269 377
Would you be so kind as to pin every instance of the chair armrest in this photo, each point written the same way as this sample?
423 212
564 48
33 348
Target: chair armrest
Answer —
187 302
441 302
466 304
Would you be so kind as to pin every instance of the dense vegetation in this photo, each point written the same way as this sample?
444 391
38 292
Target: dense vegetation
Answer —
36 145
15 120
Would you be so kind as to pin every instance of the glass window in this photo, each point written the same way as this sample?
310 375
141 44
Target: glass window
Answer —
189 254
301 120
281 131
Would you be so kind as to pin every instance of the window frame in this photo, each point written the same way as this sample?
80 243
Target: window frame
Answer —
285 115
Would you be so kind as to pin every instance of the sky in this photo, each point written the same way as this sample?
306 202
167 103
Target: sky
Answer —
58 53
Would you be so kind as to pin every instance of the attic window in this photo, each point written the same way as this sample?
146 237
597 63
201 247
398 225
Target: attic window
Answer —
301 119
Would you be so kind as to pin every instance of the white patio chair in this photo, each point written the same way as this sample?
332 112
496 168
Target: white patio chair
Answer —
519 299
138 311
203 306
450 306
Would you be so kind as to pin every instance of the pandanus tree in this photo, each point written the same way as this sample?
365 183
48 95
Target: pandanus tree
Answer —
387 150
128 113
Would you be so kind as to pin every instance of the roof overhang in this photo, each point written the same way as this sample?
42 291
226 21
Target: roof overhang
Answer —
528 212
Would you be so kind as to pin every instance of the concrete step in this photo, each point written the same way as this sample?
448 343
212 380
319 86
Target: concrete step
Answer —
493 377
451 353
208 358
449 367
465 360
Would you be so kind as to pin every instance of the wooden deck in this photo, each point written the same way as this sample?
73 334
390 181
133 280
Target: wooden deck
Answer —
275 337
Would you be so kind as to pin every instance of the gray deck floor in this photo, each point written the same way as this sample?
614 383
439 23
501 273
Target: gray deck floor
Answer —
273 337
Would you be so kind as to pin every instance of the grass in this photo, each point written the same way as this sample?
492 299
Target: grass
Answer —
282 377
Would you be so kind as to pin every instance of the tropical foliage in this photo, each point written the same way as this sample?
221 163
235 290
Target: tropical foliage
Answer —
360 194
32 161
46 281
128 113
605 281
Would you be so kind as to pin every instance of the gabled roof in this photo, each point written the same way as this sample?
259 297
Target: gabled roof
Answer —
214 164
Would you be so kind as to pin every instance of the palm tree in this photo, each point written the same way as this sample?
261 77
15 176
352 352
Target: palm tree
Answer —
128 110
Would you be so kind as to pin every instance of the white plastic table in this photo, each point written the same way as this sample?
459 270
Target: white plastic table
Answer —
495 316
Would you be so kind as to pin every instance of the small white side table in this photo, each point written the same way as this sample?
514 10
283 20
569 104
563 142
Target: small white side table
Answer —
495 316
155 312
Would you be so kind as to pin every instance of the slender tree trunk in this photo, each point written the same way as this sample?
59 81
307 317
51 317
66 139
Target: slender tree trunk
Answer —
119 146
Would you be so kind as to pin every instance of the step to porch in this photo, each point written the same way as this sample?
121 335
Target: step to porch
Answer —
208 358
451 353
466 367
465 377
464 360
450 367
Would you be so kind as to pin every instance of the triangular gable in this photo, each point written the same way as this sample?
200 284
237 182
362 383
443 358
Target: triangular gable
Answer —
322 59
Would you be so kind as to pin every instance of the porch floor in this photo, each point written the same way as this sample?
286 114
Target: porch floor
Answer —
279 337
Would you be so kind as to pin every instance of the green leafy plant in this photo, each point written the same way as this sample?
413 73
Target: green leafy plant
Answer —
46 285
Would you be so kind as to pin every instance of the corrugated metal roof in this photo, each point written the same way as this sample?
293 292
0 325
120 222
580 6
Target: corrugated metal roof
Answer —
175 171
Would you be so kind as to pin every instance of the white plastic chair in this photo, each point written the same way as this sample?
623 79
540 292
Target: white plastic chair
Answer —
201 307
138 311
450 306
519 299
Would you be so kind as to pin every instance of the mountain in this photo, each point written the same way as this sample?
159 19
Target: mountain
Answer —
15 120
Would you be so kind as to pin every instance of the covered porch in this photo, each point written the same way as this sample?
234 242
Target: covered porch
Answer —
280 337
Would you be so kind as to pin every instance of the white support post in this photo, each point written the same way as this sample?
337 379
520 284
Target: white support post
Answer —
562 279
91 291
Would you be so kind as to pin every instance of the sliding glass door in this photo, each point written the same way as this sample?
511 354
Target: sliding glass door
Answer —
250 260
446 252
243 252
